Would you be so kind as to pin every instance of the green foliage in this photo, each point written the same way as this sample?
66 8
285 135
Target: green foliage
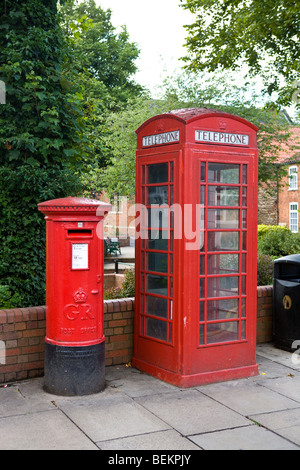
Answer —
42 140
105 59
182 91
217 92
43 119
264 270
128 286
119 139
127 289
277 242
112 293
8 299
262 229
263 35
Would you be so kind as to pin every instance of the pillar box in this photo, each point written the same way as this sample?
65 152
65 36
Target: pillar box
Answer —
74 343
196 247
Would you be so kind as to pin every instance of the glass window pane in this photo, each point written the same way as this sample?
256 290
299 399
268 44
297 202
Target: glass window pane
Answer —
203 176
158 262
222 264
156 329
243 330
244 197
157 284
157 240
223 173
201 334
222 332
202 288
156 306
171 171
158 173
223 196
244 174
202 195
202 311
202 265
158 217
244 218
244 261
223 218
223 241
222 286
222 309
158 195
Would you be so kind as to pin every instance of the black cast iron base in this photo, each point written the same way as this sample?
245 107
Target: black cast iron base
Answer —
74 371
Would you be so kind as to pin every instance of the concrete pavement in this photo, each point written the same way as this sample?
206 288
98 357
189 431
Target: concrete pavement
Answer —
138 412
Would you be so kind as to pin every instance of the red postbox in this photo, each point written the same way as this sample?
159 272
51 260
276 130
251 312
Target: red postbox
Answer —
196 254
74 343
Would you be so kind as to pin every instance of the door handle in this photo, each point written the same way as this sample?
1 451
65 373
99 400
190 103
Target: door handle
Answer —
94 292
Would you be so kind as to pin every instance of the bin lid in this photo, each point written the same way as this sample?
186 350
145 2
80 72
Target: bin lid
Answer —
295 259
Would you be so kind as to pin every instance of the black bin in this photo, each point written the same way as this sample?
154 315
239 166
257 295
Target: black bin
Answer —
286 302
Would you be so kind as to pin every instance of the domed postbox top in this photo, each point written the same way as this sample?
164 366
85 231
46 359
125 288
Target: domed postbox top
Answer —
74 205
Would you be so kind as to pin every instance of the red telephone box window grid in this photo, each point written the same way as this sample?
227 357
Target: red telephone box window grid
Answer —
156 306
223 253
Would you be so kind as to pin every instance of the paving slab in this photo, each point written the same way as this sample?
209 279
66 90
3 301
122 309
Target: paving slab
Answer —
104 417
46 430
139 412
288 386
190 412
277 356
247 438
247 397
13 402
286 423
269 369
163 440
135 383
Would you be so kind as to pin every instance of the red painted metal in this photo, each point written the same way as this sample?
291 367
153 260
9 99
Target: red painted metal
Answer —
74 290
196 284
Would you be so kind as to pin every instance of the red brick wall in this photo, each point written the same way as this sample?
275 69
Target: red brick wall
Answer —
264 314
118 331
23 332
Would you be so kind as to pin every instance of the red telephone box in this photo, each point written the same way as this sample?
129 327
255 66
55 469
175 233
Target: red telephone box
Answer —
74 343
196 254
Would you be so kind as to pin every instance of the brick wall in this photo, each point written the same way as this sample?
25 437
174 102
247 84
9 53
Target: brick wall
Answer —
23 333
264 314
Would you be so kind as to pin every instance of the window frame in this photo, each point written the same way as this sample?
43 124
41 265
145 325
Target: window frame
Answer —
292 212
293 178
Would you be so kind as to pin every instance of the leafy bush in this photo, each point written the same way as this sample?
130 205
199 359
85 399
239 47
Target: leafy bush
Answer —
128 286
112 293
127 289
264 270
262 230
42 140
279 242
8 299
